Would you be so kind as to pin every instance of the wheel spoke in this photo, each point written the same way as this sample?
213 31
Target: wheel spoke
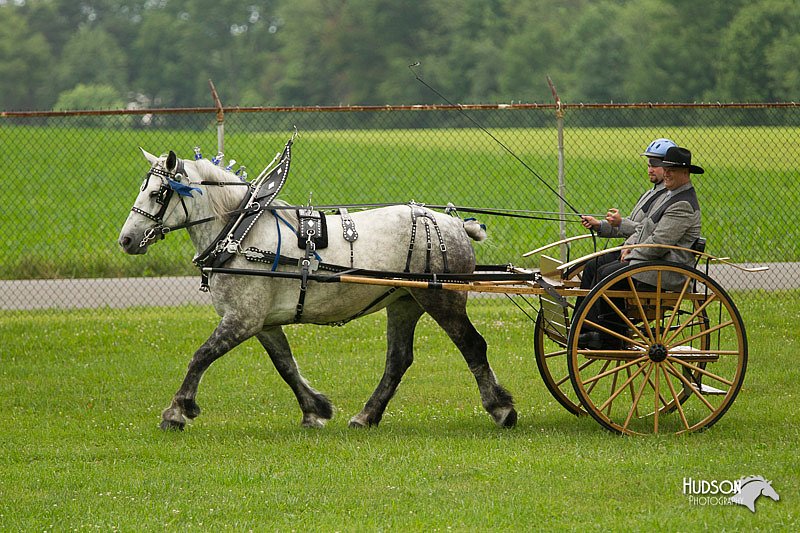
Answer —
655 388
695 390
562 381
555 354
622 387
638 396
675 397
642 314
690 319
611 389
657 396
603 369
613 333
658 306
701 370
626 320
678 304
706 352
701 333
630 387
613 370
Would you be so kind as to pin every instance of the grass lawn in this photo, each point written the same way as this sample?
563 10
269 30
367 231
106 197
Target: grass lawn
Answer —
81 395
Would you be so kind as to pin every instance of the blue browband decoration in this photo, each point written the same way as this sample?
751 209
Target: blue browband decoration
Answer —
181 189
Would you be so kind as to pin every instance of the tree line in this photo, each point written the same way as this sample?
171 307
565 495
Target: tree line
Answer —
106 54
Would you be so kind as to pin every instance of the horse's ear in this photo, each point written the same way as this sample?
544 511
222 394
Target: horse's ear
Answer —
172 162
147 155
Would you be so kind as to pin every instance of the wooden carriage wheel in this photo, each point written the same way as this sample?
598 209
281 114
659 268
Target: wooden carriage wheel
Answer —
680 358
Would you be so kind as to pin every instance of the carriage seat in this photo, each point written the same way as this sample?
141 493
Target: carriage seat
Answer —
698 245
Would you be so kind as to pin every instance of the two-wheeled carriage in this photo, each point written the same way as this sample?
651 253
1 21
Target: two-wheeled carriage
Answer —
677 364
681 358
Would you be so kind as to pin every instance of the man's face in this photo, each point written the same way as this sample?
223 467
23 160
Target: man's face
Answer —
675 177
656 174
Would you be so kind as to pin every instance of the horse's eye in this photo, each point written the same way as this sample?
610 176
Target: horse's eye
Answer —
161 195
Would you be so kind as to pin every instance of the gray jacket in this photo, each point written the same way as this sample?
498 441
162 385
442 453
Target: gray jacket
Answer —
674 219
631 223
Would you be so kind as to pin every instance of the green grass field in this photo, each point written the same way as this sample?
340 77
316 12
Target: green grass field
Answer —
67 191
81 394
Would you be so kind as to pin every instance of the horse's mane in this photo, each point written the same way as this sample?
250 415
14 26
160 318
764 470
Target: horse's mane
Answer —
748 479
223 200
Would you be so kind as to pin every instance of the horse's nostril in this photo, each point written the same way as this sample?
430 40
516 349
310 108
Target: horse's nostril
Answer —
124 241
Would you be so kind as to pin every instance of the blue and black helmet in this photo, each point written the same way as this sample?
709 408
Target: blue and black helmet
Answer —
658 148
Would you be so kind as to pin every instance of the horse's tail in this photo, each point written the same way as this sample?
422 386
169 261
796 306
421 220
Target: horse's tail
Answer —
475 229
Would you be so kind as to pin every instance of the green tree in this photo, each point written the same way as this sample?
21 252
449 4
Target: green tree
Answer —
92 97
745 69
783 67
92 56
463 50
600 62
163 72
25 64
89 97
537 46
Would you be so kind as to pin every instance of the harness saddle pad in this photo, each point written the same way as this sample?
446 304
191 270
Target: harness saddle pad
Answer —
227 243
312 223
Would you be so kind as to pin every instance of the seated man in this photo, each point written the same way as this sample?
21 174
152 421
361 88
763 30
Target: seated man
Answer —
675 220
614 225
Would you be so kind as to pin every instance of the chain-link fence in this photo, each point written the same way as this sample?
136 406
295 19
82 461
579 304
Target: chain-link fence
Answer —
69 180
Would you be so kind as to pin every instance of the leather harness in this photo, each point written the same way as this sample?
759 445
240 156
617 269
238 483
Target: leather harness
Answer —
311 233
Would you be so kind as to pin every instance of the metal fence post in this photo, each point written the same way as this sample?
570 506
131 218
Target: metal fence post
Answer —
220 118
562 225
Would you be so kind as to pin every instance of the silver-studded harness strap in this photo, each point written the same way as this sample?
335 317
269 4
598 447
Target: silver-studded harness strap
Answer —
348 230
420 211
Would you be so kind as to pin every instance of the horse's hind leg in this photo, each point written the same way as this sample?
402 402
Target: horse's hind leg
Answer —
317 409
402 318
229 333
449 310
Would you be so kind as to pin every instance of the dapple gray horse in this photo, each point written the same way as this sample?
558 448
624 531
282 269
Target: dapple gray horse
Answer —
259 306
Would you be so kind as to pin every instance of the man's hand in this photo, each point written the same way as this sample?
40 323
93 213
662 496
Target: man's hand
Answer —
613 217
589 222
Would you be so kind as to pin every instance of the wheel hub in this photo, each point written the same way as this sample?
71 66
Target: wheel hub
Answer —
657 353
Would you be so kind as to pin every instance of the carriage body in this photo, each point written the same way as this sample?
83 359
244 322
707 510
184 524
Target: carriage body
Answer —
682 353
681 358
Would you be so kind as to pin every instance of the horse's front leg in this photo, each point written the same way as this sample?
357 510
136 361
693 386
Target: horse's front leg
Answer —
227 335
317 409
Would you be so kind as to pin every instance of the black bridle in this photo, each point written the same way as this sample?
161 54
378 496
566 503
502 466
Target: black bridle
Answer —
162 196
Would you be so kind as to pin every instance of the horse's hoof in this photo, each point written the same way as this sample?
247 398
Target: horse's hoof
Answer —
190 409
359 421
313 421
172 425
505 417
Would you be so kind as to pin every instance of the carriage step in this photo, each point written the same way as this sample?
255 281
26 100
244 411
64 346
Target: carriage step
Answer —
708 390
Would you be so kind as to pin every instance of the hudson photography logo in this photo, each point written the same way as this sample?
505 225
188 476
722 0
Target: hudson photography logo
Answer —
744 491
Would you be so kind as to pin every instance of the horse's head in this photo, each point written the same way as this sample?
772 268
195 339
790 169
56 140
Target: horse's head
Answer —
157 208
769 492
